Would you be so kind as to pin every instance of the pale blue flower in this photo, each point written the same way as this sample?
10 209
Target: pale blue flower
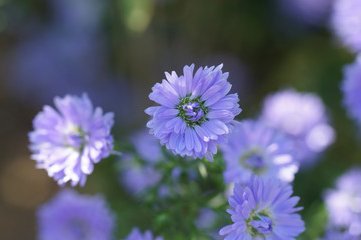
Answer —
136 234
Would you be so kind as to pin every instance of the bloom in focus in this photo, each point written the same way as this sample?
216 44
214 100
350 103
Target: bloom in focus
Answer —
256 149
263 209
351 88
344 203
346 23
73 216
195 113
303 117
68 140
137 235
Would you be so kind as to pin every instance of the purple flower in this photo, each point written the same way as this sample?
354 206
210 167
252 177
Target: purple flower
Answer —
306 11
137 177
263 209
137 235
302 116
69 140
147 146
344 203
195 112
346 23
73 216
255 149
333 234
351 88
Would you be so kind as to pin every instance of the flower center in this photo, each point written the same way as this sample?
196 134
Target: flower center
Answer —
259 224
192 111
76 138
254 160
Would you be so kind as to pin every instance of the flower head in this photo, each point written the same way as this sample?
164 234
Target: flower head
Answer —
302 116
344 203
137 235
332 234
263 209
69 140
351 88
195 112
346 23
73 216
256 149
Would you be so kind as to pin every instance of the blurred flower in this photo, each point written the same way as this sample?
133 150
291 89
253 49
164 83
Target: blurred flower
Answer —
253 148
306 11
196 112
263 209
346 23
332 234
302 116
137 177
69 140
206 219
147 146
351 88
344 203
73 216
137 235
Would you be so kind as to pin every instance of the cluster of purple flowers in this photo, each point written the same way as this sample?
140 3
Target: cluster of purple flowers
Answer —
195 114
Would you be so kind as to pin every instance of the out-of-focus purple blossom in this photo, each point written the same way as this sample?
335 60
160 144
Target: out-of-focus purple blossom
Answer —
67 141
334 234
344 203
147 146
136 234
346 23
351 88
195 113
263 209
303 117
137 177
73 216
256 149
306 11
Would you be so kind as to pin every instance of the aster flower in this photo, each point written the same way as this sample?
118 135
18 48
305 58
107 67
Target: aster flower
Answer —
256 149
67 141
303 117
346 23
263 209
351 88
195 112
332 234
72 216
344 203
137 235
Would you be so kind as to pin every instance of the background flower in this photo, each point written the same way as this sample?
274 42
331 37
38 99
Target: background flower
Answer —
195 111
69 140
351 88
346 23
73 216
256 149
303 117
344 203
